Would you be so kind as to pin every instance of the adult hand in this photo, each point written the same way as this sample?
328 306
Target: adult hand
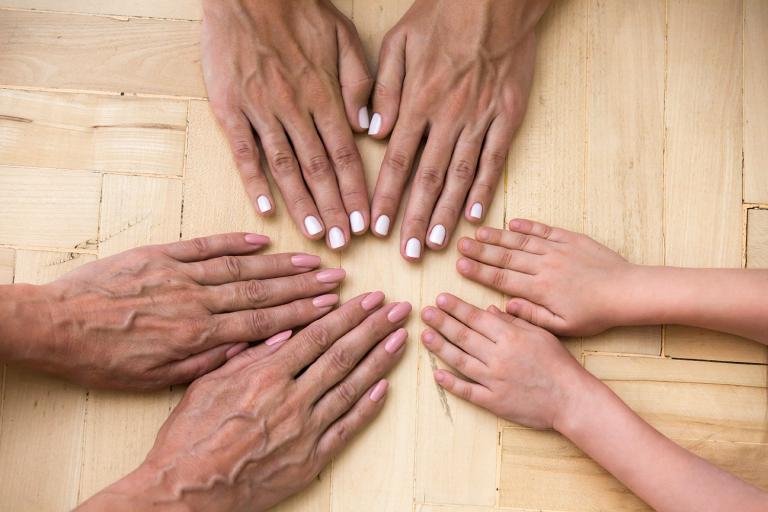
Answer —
165 314
295 73
458 73
262 427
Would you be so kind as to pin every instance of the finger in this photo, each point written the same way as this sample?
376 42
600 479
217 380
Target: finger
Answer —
389 84
471 392
344 355
318 337
378 363
394 174
470 341
512 240
504 280
263 293
461 173
203 248
228 269
453 356
540 230
470 315
499 313
354 78
195 366
256 353
426 188
535 314
490 169
498 256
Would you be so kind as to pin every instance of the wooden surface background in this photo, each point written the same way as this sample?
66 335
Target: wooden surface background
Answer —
647 129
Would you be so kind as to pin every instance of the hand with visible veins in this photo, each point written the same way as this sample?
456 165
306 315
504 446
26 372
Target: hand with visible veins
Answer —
164 314
262 427
458 73
295 74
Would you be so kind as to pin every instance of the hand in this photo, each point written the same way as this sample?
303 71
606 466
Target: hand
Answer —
562 281
458 73
262 427
518 371
296 74
166 314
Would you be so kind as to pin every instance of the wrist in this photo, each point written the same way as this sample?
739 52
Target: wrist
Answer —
25 323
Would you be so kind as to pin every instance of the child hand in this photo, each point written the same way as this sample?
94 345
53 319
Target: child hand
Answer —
562 281
518 371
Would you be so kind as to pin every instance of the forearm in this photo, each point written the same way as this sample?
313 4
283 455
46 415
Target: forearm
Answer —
24 323
660 472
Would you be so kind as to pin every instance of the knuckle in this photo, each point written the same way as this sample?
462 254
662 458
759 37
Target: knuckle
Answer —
463 335
317 334
507 259
345 156
450 211
463 170
496 158
499 279
242 149
331 211
398 161
255 292
474 316
200 244
259 323
466 393
232 266
282 162
430 178
343 433
341 359
346 393
318 166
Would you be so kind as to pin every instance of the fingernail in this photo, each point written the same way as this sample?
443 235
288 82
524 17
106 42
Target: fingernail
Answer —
372 300
437 235
464 265
442 299
362 117
428 337
255 239
399 312
476 212
234 350
395 340
413 248
382 225
323 301
278 338
331 275
439 376
428 314
336 237
357 222
312 225
264 204
305 260
515 224
375 124
379 390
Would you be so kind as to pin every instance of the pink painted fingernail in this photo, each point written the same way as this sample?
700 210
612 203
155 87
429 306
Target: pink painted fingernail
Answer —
254 239
331 275
323 301
395 340
399 312
372 300
278 338
379 390
234 350
305 260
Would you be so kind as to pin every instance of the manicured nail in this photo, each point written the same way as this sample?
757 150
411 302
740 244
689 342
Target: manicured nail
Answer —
331 275
323 301
255 239
476 212
413 248
357 222
372 300
437 235
312 225
305 260
379 390
399 312
382 225
264 204
362 117
278 338
395 340
375 124
336 237
236 349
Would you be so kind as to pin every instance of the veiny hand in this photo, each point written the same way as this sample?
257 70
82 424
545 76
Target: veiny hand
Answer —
295 73
459 73
262 427
518 371
166 314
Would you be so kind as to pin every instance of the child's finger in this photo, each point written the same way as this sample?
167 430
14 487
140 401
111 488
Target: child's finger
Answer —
512 240
535 314
504 280
530 227
496 256
454 356
464 337
475 318
475 393
500 314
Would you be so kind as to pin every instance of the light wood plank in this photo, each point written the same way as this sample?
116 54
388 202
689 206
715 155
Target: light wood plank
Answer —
48 208
755 101
174 9
92 132
7 263
693 343
757 238
431 507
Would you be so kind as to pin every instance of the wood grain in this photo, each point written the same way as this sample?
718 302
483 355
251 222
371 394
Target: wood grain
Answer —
755 101
757 238
175 9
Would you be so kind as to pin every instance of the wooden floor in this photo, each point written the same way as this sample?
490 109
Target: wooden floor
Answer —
647 129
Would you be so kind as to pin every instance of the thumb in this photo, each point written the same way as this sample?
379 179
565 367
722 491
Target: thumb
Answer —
354 77
389 84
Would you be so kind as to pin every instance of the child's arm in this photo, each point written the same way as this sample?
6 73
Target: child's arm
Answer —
571 285
522 373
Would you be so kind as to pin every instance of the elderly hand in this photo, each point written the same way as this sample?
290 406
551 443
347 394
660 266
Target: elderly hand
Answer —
293 72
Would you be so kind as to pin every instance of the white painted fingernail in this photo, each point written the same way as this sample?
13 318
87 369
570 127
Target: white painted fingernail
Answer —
382 225
312 225
336 237
413 248
357 222
362 117
264 204
375 124
437 235
476 212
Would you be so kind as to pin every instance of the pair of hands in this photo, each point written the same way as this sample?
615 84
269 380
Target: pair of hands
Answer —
294 73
